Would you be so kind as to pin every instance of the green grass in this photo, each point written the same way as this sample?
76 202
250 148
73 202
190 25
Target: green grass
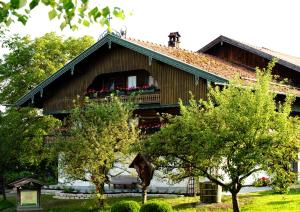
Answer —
261 202
5 204
266 201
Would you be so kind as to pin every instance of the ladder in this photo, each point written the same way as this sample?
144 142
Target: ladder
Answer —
191 186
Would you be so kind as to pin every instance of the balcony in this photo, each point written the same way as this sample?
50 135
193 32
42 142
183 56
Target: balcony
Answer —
138 95
136 86
138 98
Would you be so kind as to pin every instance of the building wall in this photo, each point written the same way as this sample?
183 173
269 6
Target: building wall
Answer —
173 83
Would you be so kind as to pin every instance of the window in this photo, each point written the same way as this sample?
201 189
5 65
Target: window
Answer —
131 82
151 81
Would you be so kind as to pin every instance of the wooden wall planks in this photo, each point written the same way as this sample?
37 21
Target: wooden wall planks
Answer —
173 83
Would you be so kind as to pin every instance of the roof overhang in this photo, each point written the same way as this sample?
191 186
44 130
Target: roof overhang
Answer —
223 39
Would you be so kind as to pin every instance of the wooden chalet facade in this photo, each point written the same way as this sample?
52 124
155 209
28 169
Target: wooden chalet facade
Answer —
159 74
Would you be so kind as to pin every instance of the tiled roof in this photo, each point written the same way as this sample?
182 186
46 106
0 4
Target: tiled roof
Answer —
202 61
291 59
199 64
212 64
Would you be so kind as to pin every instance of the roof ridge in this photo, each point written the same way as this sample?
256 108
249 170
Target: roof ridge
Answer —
162 45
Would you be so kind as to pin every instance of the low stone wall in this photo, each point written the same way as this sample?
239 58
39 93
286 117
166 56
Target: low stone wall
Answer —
72 196
61 195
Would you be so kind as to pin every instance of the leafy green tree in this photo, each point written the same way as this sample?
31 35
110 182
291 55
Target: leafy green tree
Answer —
238 131
100 136
31 61
72 13
27 63
22 133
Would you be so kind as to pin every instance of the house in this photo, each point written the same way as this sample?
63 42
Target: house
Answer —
161 74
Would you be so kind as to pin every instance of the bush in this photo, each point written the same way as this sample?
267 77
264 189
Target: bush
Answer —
69 190
125 206
156 207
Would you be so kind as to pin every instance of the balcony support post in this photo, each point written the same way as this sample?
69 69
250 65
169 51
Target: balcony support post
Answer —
109 44
150 61
72 70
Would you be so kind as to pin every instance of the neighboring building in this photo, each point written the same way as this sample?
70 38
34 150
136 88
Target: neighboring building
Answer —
162 74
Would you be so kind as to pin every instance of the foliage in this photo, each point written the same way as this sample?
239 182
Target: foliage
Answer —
263 181
71 13
281 184
156 207
125 206
31 61
238 131
22 144
69 189
100 136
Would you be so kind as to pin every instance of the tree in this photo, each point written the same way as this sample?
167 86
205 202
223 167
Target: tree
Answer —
31 61
22 133
238 131
100 134
70 12
22 130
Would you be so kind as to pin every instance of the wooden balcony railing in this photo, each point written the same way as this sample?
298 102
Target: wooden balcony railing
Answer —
67 103
142 98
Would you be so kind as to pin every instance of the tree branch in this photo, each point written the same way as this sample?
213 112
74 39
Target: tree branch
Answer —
249 173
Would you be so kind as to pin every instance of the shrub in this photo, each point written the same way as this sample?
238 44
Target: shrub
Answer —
281 184
156 207
69 190
125 206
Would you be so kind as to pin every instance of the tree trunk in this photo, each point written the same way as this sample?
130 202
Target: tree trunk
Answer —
2 186
235 203
100 194
144 195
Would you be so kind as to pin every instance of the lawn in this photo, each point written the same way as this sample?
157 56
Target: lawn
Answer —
263 201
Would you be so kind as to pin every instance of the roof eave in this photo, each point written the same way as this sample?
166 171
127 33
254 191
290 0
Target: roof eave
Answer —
238 44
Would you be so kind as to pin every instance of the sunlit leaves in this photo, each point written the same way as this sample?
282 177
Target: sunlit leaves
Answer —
16 4
100 135
86 23
105 11
69 12
31 61
63 25
22 132
95 13
238 131
52 14
46 2
33 4
119 13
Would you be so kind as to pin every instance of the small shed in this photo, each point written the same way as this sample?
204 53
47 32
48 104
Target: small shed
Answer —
28 194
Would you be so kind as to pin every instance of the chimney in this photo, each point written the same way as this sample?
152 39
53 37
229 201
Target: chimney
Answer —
174 39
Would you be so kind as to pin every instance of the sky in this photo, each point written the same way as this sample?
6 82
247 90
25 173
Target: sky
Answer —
274 24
